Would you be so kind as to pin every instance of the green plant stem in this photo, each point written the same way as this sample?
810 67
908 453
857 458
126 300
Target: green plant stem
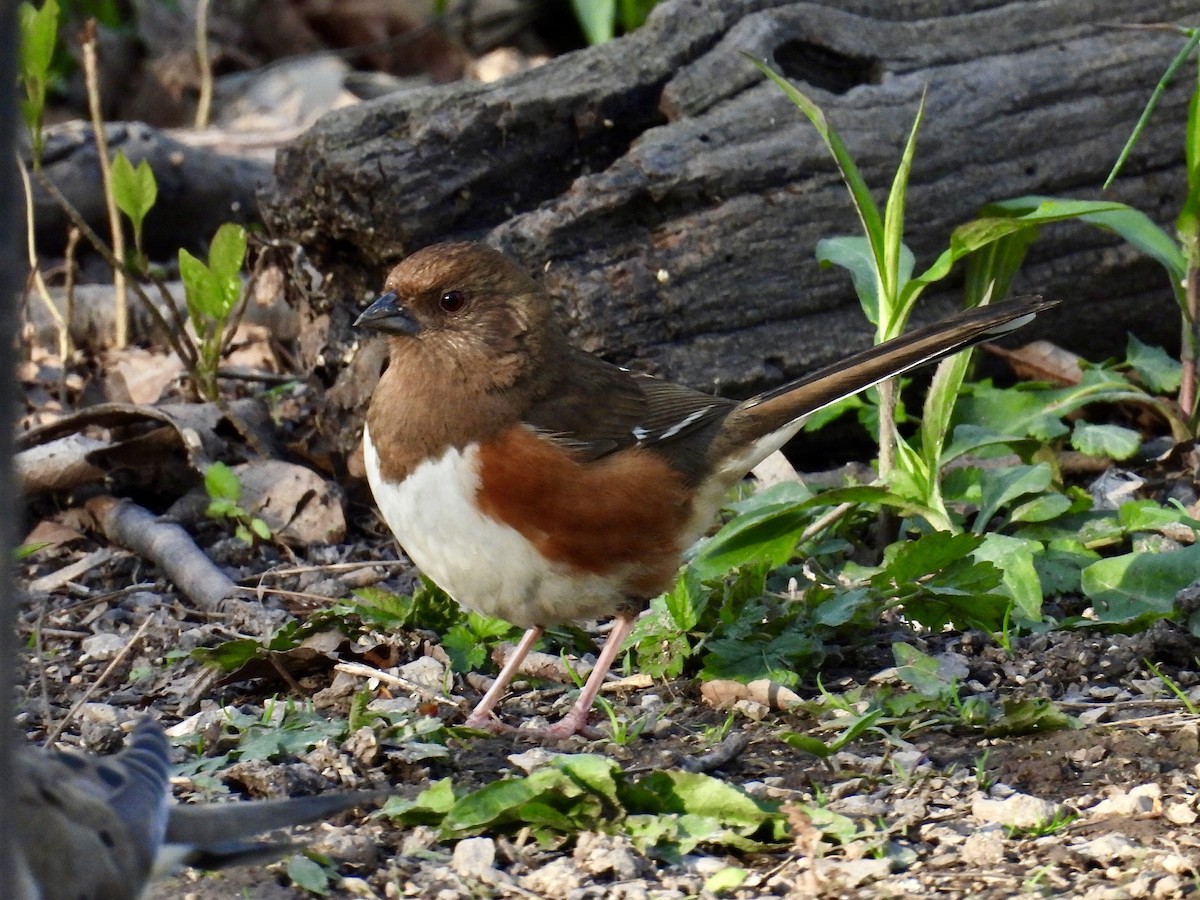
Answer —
91 79
177 337
1188 343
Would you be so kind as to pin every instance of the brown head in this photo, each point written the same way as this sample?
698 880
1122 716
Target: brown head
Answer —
466 306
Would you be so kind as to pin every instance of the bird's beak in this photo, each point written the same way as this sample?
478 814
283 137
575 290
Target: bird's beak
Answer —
388 316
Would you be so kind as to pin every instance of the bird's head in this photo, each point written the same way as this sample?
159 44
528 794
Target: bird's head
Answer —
464 303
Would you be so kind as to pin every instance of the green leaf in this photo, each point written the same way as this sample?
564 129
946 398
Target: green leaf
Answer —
260 528
896 265
1028 717
201 290
1014 557
919 671
222 483
428 808
226 254
1154 367
853 253
1001 487
597 18
308 875
39 33
1139 586
778 658
134 190
1112 441
767 532
1148 515
864 204
728 879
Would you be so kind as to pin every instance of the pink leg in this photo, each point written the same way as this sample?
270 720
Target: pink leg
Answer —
482 716
576 719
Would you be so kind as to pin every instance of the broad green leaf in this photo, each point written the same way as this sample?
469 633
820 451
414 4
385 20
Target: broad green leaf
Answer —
134 190
1112 441
1001 487
779 658
1148 515
307 874
1014 558
428 808
201 289
222 482
1042 508
728 879
919 671
1154 367
767 532
1139 585
687 600
854 254
39 33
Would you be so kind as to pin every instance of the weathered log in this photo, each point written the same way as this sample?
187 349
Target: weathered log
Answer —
672 198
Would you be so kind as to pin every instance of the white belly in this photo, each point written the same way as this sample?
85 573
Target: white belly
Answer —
483 564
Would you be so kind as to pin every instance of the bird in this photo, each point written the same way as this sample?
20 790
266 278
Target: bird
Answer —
539 484
103 827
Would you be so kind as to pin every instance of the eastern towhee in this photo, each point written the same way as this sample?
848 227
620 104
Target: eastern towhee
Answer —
539 484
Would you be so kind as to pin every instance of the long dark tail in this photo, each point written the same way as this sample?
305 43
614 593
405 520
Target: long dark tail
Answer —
775 409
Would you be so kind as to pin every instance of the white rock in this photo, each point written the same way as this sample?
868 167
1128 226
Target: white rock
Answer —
1180 814
102 647
983 848
475 858
1017 811
426 672
1109 849
555 880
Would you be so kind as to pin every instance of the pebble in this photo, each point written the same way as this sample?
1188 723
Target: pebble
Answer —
555 880
476 858
983 848
1108 849
426 672
102 647
602 854
1017 811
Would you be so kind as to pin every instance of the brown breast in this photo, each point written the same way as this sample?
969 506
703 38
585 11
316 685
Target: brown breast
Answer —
619 515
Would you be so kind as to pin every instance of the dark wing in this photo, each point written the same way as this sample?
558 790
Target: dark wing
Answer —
600 408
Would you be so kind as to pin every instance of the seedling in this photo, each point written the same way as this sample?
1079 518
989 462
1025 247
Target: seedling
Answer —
225 493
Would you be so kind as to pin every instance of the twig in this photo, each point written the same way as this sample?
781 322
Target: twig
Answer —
57 579
725 751
363 671
825 521
167 545
69 269
331 567
204 106
87 695
121 322
184 350
60 324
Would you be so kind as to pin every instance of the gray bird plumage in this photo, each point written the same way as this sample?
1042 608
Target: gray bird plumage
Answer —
101 828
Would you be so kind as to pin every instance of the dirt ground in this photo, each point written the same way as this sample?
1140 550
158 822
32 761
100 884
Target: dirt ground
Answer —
943 811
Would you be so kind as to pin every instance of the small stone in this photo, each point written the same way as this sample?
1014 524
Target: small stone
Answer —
1168 886
556 879
601 854
475 858
426 672
983 848
1177 865
1018 811
1180 814
1108 849
753 711
102 647
532 759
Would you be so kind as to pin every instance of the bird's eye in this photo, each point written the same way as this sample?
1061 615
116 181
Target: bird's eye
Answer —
453 301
